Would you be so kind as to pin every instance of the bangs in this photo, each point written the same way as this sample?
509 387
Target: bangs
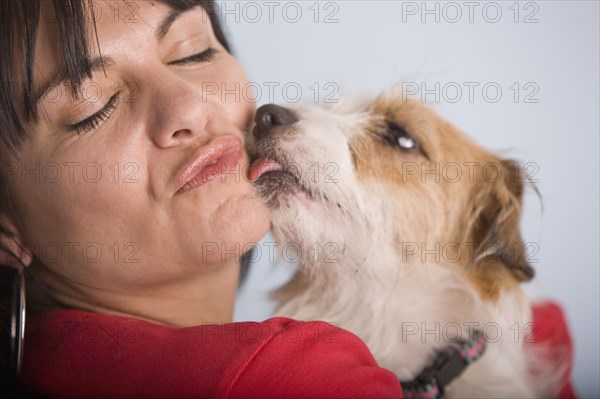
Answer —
19 23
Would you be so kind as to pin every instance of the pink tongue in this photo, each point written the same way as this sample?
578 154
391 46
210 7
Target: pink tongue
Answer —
262 166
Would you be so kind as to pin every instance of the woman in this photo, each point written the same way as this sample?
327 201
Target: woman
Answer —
124 195
127 235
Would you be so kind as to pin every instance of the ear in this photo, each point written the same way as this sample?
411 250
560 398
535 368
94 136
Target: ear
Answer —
497 218
12 249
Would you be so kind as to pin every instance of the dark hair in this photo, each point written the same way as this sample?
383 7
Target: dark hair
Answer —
19 22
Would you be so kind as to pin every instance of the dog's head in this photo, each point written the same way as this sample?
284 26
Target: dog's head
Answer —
390 181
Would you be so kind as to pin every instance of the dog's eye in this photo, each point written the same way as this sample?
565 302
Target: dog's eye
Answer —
398 137
406 143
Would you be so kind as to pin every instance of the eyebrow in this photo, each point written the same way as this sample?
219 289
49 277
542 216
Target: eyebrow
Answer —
62 76
101 62
165 25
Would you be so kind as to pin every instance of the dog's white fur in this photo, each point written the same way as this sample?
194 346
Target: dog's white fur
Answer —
351 221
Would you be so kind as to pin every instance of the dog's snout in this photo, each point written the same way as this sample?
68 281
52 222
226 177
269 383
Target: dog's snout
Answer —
270 116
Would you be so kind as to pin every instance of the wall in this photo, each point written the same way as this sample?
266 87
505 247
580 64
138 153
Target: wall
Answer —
546 52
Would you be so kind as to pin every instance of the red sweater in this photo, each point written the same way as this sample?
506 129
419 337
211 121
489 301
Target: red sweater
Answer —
78 354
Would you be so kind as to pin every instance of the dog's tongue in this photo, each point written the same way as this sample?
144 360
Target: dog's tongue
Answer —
262 166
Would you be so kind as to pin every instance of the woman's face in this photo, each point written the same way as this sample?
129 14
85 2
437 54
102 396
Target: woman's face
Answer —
103 200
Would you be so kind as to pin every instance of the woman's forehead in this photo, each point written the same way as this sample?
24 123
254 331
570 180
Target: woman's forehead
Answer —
43 43
106 24
110 36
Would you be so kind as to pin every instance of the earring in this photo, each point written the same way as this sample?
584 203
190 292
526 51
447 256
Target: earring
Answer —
12 322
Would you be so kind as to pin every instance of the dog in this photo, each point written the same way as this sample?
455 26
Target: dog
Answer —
408 236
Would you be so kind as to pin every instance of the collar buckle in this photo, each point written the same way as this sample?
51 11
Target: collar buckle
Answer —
448 365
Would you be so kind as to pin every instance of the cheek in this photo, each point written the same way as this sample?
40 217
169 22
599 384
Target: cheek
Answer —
377 161
229 91
69 198
414 206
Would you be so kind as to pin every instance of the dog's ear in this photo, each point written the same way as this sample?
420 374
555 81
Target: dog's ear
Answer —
495 227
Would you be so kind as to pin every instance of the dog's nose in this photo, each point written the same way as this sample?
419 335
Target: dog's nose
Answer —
270 116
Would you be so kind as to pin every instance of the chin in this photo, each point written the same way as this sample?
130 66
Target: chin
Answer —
238 225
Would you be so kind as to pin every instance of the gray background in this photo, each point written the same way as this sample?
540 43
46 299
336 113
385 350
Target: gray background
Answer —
550 49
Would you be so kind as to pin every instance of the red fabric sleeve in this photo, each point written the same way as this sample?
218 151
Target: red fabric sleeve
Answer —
73 354
315 360
551 328
76 354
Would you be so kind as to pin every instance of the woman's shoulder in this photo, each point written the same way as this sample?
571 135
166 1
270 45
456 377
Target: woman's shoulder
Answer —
74 353
313 359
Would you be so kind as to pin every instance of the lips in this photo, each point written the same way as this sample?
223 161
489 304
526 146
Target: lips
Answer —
210 162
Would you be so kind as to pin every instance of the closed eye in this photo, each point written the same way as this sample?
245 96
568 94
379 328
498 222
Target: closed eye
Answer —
205 56
92 122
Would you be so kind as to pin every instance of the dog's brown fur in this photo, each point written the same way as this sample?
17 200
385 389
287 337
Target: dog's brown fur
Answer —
383 199
492 208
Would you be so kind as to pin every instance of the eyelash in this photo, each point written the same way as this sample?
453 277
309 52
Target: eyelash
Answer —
207 55
93 121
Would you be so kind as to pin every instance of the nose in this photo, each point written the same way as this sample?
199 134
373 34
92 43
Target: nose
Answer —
177 112
270 116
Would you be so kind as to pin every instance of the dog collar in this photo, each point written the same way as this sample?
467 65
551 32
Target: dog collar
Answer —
448 365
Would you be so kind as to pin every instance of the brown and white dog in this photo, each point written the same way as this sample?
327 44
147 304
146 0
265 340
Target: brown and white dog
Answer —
408 236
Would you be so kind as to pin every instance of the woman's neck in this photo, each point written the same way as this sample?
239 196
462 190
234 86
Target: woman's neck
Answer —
207 297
